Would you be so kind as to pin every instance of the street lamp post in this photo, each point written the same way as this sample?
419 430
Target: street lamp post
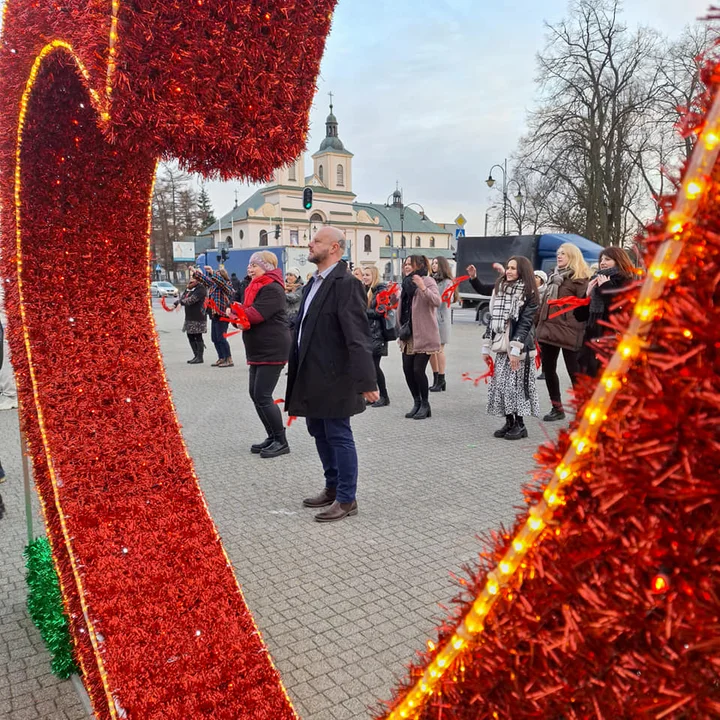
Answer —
519 198
491 181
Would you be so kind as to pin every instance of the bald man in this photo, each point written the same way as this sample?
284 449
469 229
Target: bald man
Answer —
331 374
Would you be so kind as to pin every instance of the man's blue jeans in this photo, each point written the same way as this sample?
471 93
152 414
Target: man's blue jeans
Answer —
336 448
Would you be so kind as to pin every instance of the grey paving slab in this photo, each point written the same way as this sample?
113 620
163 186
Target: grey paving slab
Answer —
342 607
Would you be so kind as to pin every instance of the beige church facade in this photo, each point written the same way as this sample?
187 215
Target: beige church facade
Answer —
274 215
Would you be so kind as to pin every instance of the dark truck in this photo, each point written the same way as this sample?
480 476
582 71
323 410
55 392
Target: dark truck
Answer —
484 251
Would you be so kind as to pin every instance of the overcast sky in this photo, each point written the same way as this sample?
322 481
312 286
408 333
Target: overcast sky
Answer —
432 94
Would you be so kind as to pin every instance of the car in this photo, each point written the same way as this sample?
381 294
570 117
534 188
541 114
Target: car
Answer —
163 289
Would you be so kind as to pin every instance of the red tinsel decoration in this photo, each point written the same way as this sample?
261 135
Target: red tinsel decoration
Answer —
225 86
616 612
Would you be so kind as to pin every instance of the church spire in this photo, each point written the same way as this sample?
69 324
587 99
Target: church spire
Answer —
331 124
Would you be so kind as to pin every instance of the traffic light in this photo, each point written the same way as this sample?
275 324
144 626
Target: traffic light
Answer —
307 198
277 232
224 255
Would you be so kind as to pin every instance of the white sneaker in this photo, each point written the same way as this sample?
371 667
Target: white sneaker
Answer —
8 403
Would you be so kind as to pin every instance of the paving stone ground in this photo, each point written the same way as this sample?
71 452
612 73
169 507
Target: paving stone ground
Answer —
343 607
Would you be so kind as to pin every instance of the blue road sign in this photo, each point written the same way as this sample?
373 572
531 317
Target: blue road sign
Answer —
459 232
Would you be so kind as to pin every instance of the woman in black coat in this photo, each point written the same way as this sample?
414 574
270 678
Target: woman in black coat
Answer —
195 325
373 286
267 345
616 271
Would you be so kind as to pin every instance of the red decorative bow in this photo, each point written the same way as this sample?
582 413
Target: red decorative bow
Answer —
449 293
387 299
485 376
567 304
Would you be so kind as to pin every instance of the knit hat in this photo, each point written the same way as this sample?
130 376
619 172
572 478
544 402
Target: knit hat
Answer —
542 275
294 271
257 259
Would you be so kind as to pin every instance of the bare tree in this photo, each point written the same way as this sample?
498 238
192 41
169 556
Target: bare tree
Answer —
167 213
597 81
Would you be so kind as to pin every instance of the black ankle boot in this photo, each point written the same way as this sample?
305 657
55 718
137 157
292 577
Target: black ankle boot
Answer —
259 447
557 413
279 446
383 401
518 430
414 410
440 385
435 381
505 429
424 411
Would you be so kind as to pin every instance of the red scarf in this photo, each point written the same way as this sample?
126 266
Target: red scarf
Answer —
260 282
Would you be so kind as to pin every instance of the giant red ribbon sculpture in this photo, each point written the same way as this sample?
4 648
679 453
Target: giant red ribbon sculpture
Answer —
93 94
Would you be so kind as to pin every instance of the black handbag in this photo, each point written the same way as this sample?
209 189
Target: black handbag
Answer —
389 326
405 332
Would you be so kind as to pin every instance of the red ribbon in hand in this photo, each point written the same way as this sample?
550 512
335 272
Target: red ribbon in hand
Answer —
237 316
211 305
449 293
165 306
485 376
291 418
567 304
387 299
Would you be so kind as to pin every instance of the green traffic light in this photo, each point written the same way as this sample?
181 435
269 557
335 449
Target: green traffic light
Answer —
307 198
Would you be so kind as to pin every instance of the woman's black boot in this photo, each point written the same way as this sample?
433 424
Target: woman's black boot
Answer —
440 385
433 387
424 411
518 430
415 408
505 429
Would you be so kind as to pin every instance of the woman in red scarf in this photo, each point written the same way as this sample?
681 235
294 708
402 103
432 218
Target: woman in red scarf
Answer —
267 347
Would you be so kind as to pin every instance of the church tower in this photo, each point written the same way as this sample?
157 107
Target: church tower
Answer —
332 163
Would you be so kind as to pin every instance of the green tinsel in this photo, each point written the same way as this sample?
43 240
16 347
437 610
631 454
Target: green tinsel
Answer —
46 607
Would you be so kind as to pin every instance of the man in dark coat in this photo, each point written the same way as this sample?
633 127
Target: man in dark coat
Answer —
331 373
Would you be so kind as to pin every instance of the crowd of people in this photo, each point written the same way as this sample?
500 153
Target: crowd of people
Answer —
333 331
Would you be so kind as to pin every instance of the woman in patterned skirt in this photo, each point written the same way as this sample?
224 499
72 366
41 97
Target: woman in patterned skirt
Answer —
511 337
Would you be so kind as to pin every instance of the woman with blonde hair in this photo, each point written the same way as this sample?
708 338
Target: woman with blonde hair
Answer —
563 333
442 273
378 333
267 347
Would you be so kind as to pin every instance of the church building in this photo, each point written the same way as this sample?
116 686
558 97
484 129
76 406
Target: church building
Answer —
377 233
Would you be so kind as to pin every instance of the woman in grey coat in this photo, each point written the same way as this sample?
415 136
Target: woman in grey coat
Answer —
444 278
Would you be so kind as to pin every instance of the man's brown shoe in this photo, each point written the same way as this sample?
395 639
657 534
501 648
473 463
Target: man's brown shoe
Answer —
325 498
337 511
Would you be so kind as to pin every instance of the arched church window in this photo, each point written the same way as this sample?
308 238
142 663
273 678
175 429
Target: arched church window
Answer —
263 238
388 241
368 244
417 241
432 241
340 176
229 241
321 174
316 218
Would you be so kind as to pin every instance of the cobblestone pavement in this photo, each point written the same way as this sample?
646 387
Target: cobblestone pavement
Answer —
343 607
